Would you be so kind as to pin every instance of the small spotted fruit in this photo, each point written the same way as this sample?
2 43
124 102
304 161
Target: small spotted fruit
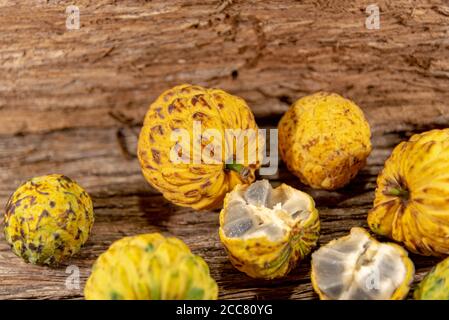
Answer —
324 139
48 219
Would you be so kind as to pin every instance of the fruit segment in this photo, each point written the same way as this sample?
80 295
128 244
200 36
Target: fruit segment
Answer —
358 267
266 231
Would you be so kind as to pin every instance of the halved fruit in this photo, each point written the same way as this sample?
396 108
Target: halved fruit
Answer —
358 267
266 231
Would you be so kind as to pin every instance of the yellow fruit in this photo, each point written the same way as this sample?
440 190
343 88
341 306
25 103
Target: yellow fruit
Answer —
324 140
411 202
358 267
206 168
266 231
150 267
48 219
435 285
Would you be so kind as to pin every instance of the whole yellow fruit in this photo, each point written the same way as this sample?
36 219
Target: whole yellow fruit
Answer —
48 219
266 230
192 170
150 267
324 139
411 202
358 267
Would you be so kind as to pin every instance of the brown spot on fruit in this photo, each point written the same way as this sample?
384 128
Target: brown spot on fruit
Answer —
311 143
157 129
66 179
185 90
191 193
199 116
159 112
206 184
156 156
195 100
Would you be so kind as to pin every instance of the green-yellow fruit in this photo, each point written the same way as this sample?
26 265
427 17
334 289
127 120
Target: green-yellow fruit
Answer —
435 285
48 219
324 139
150 267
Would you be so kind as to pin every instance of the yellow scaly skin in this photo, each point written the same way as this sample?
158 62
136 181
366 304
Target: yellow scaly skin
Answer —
435 285
411 200
265 259
324 140
203 185
150 267
48 219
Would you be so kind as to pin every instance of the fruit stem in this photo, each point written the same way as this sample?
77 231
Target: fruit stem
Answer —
239 168
399 193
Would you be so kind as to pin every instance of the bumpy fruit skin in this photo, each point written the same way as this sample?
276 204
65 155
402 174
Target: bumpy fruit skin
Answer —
48 219
411 202
200 185
264 259
435 285
150 267
324 139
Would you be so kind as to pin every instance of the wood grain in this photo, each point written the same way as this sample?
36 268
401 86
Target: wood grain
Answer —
72 102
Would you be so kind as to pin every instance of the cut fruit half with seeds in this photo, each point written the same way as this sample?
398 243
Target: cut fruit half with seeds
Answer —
358 267
266 231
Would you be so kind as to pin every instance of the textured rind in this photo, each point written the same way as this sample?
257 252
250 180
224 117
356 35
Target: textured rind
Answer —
150 267
265 259
435 285
399 294
48 219
324 139
199 186
420 166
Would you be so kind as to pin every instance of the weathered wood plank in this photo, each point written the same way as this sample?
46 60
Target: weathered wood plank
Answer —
269 52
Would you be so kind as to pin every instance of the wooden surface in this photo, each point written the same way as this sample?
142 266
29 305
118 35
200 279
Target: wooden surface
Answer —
72 102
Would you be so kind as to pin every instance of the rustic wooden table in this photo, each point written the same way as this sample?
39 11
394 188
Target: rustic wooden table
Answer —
72 102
